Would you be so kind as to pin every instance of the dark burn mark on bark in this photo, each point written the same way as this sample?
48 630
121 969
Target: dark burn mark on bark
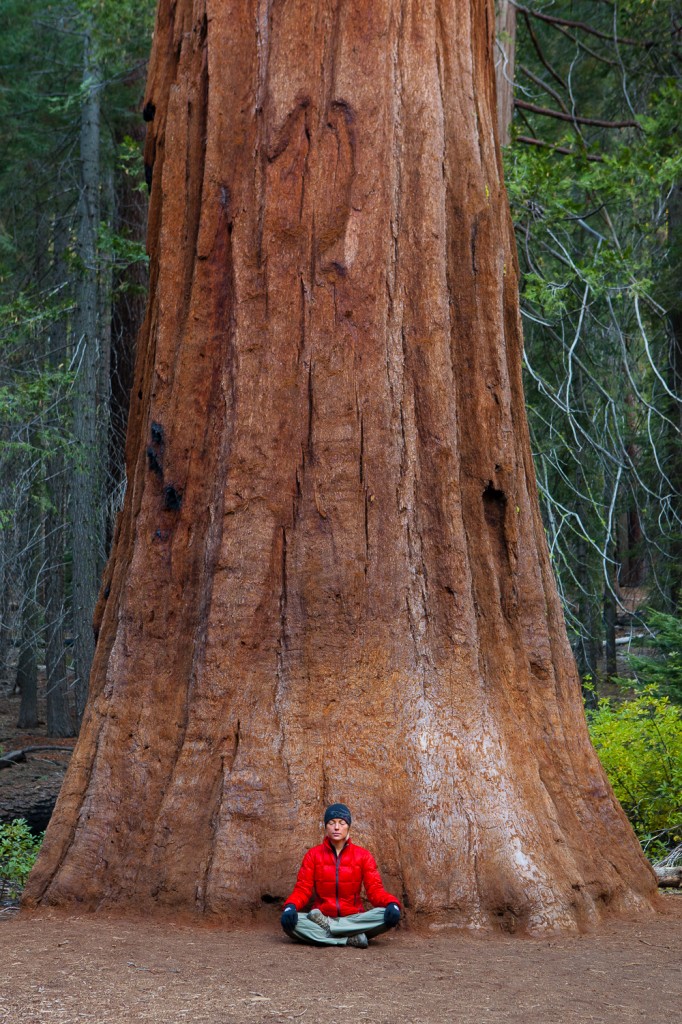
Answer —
148 173
172 498
148 111
494 511
494 505
153 462
155 449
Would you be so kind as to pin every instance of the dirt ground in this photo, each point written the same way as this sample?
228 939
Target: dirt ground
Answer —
95 970
98 970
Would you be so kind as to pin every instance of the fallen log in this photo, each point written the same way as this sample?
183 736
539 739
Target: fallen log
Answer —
669 878
18 756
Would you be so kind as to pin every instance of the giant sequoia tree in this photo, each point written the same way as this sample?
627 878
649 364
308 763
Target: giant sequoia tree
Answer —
330 578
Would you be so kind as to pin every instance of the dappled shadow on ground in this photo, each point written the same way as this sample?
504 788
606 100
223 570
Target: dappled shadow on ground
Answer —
97 970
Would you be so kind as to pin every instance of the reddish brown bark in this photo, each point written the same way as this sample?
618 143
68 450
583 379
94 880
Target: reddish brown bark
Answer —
330 579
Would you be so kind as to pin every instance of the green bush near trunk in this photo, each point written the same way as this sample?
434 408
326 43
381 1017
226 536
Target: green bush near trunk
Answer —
639 743
18 851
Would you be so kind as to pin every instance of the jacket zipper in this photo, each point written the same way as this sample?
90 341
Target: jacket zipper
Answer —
338 858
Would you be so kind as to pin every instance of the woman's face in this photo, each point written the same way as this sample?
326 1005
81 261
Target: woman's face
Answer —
337 830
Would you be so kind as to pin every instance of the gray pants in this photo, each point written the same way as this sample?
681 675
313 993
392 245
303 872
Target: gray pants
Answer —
371 922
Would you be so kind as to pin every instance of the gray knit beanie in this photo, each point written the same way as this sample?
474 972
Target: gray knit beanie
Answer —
337 811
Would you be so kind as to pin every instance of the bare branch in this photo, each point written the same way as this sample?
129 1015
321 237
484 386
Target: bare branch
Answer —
557 149
584 27
538 49
595 122
543 85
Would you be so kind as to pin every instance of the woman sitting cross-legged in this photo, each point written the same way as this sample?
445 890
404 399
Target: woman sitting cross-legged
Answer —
333 873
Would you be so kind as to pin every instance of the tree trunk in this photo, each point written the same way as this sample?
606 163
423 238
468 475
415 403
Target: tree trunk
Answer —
330 579
86 512
5 596
59 721
105 286
27 681
505 56
675 379
27 665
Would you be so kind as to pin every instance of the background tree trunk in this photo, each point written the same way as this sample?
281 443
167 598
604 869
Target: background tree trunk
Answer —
27 678
59 722
5 608
505 57
330 580
675 379
104 323
86 508
27 664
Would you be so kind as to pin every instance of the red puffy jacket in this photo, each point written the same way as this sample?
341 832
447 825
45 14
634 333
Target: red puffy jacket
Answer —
335 880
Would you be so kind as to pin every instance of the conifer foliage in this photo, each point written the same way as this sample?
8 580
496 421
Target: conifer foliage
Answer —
71 283
593 174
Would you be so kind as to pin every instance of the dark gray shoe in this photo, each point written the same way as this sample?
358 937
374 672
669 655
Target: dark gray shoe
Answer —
317 917
359 941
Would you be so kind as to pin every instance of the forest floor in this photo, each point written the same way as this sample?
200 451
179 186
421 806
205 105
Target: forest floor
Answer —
29 789
97 970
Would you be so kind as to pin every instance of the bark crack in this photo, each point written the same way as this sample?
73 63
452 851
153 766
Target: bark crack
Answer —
302 323
202 888
366 513
311 410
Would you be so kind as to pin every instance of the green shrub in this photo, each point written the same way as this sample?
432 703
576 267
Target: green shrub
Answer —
639 743
18 851
664 669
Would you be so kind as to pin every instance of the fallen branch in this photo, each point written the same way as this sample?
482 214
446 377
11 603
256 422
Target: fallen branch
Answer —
19 756
669 878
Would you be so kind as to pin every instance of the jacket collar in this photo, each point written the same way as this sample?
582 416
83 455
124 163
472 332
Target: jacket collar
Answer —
328 843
